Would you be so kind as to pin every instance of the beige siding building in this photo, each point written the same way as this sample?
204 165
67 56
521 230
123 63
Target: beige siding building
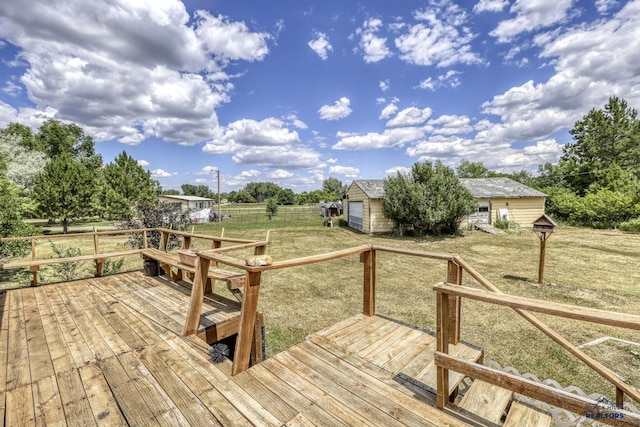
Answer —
497 198
504 198
363 207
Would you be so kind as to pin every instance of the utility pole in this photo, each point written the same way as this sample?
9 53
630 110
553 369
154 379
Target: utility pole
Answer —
218 174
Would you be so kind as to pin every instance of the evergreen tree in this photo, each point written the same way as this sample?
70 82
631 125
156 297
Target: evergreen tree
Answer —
602 138
124 185
64 189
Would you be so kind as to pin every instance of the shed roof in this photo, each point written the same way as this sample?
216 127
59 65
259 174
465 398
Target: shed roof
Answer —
186 198
373 188
486 188
480 188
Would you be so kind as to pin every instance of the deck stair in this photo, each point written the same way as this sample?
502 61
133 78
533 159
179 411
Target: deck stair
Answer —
486 401
489 405
525 416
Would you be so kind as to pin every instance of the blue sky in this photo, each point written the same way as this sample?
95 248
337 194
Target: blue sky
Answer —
297 91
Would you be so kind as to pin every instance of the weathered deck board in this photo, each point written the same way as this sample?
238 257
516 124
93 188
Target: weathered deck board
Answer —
48 410
60 355
19 407
39 360
18 373
74 400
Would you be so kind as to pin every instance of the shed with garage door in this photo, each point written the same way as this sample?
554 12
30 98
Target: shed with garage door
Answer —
363 207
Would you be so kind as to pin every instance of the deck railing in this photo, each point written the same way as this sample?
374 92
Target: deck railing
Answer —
448 306
34 261
367 255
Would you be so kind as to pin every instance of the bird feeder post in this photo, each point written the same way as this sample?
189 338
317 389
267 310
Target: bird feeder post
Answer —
544 226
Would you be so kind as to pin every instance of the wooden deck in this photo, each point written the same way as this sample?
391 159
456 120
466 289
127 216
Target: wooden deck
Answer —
109 351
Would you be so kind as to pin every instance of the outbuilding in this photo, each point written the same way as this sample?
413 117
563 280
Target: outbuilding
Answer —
187 202
363 207
504 199
498 198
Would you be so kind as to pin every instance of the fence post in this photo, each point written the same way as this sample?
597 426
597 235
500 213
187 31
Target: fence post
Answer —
248 314
454 276
145 242
368 258
442 330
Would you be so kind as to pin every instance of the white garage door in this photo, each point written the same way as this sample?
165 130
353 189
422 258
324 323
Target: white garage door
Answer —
355 215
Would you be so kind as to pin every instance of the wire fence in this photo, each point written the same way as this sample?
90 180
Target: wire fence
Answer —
301 215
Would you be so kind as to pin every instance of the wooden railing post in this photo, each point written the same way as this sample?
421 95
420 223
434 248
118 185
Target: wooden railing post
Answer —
164 240
368 258
34 269
248 314
145 241
197 297
215 244
96 249
619 398
442 331
454 276
186 242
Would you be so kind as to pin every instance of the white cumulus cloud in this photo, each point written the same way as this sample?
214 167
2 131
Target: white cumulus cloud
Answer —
320 45
161 173
339 110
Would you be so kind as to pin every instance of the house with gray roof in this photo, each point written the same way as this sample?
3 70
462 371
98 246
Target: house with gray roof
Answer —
497 198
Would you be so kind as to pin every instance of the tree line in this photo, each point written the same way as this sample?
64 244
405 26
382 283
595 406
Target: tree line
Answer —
56 174
260 192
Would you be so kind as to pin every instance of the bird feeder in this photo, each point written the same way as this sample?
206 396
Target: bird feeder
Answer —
543 226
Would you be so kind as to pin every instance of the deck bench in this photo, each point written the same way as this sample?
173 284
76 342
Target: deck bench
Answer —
234 280
35 264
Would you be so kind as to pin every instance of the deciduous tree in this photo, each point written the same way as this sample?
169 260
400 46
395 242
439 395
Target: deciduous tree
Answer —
431 198
335 188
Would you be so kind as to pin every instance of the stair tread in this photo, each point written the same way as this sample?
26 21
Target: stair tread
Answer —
524 416
486 400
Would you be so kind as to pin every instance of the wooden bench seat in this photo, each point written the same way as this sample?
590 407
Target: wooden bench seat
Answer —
234 280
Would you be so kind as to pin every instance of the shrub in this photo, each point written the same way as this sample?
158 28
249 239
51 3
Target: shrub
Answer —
633 225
